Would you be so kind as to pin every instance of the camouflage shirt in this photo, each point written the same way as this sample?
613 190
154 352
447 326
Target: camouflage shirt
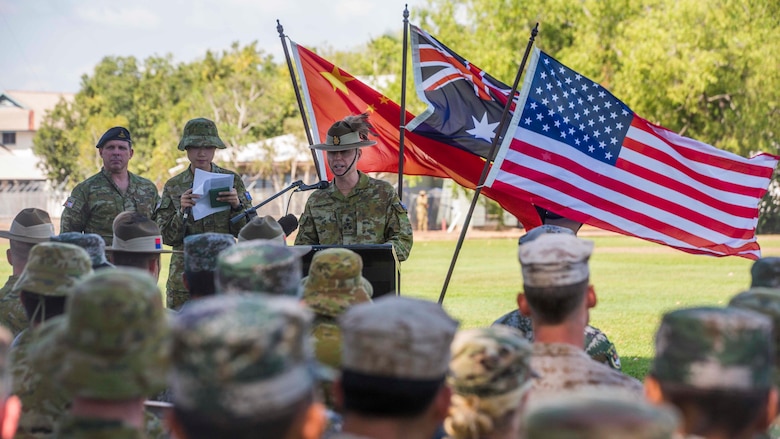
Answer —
96 201
78 427
372 213
172 225
597 345
563 367
43 401
12 314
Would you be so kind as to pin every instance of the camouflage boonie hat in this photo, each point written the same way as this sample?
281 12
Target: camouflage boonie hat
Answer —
335 282
201 250
262 228
114 336
714 349
397 337
91 242
115 133
241 357
765 272
767 302
200 133
541 230
53 268
555 259
601 414
30 225
349 133
261 267
490 362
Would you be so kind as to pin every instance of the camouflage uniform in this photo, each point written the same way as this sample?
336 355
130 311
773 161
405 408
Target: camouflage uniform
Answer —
112 345
52 270
597 345
241 359
96 201
372 213
260 266
12 314
172 224
599 415
489 375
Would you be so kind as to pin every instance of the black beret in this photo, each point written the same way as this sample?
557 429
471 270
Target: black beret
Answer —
116 133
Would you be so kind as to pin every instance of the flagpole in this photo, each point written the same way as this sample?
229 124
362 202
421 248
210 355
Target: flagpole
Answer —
402 125
306 128
490 156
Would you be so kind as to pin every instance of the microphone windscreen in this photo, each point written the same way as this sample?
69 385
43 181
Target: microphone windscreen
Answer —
289 223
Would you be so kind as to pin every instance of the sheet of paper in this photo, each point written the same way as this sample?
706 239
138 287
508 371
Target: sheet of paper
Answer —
205 181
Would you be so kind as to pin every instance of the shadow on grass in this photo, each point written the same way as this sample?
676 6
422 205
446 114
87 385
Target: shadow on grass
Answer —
637 367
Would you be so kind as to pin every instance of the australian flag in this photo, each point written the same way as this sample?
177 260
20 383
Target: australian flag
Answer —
464 103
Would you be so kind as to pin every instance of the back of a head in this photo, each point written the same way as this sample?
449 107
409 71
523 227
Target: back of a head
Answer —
767 302
335 282
717 362
259 266
765 272
200 260
598 415
241 362
91 242
395 355
490 371
555 274
115 334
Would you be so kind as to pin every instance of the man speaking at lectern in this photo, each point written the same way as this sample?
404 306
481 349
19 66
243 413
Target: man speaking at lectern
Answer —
355 208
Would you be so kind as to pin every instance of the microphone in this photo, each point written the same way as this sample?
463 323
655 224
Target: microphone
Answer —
289 223
321 185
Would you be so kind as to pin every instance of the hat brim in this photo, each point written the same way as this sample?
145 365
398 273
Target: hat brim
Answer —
124 250
343 147
202 142
8 235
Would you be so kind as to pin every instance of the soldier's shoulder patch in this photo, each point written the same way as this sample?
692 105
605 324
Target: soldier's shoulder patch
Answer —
248 197
69 202
400 207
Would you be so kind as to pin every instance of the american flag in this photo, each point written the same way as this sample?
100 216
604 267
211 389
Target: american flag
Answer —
582 153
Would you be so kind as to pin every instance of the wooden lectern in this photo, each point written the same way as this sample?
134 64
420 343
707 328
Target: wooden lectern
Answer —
380 265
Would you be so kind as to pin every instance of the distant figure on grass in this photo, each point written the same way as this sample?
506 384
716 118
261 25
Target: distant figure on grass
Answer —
597 345
490 373
29 227
242 367
52 271
388 388
96 201
558 296
421 211
355 208
715 365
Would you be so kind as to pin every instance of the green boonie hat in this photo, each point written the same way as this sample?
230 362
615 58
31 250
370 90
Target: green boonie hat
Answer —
91 242
490 362
259 266
765 272
53 268
200 133
767 302
265 227
385 338
598 414
714 349
115 336
241 357
201 250
335 282
350 133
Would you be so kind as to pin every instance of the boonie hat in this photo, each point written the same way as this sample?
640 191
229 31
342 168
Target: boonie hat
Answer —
200 133
30 225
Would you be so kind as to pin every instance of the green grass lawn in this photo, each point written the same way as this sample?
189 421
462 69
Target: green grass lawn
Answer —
635 281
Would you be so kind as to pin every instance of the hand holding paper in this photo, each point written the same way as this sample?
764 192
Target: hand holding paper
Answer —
204 184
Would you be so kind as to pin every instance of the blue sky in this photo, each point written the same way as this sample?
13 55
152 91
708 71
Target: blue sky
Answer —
48 44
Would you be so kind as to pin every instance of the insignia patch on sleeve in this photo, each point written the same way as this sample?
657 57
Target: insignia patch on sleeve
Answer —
248 197
69 202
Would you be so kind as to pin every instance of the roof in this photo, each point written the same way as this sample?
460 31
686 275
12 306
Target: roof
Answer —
15 107
19 164
286 147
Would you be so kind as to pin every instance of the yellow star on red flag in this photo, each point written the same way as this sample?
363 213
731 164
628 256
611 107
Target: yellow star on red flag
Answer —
337 80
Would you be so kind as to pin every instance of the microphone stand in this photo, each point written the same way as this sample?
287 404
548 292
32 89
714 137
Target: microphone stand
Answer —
251 210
